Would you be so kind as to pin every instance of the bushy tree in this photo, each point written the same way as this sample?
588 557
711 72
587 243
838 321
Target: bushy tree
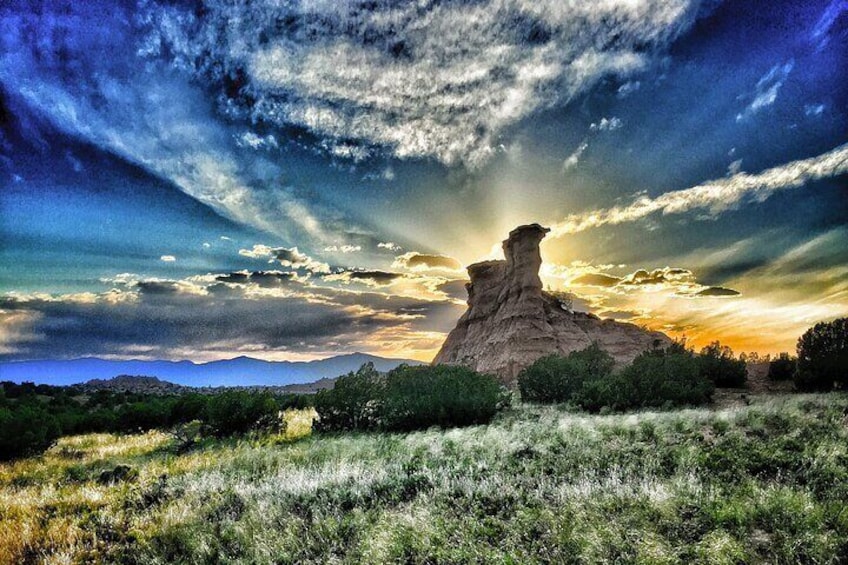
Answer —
352 404
782 368
238 411
419 397
718 364
823 356
656 378
557 378
409 398
27 429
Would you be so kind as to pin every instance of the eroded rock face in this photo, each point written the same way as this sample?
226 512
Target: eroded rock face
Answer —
511 321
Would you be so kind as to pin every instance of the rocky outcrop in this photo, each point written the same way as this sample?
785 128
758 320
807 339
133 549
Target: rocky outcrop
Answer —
511 321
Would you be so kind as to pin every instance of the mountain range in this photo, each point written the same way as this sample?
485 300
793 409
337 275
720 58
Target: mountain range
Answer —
240 371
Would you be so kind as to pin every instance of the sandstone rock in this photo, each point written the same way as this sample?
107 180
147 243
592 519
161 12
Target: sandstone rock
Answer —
511 321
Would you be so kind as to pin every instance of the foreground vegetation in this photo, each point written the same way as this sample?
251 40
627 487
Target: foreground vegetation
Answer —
761 483
33 416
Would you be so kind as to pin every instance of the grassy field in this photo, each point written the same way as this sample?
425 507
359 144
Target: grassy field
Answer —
764 483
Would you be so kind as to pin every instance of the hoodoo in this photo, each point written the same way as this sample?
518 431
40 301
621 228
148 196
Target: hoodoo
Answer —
511 321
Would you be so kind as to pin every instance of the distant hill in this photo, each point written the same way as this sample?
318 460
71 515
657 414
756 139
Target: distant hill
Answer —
140 384
241 371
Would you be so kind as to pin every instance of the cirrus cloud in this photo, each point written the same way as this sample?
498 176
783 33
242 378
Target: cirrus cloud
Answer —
442 80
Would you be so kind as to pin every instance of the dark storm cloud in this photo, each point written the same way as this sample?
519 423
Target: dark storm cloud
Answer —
158 287
718 291
455 289
378 277
266 279
239 311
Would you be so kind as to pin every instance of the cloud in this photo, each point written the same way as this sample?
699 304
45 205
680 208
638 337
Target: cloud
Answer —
605 124
415 261
595 283
718 291
140 108
167 258
287 257
765 92
343 248
657 277
267 279
389 245
254 141
572 160
821 31
442 80
628 88
714 196
596 279
372 277
268 314
813 110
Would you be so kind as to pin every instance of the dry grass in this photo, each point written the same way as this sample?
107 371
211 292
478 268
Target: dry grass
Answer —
760 483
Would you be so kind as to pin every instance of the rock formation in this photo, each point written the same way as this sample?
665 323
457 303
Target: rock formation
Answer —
511 321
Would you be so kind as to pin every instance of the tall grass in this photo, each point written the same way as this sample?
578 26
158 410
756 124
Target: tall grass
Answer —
761 483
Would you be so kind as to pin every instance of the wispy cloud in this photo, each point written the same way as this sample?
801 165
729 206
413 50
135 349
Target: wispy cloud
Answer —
343 248
572 160
442 80
766 90
389 245
144 112
714 196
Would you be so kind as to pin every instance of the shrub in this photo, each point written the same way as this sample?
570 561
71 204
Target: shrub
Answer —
420 397
408 398
555 378
823 356
782 368
352 403
25 430
718 364
238 411
656 378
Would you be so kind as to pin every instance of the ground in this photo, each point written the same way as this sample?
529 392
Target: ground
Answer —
761 481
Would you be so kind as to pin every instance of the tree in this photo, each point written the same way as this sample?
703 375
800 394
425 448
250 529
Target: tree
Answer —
823 356
352 402
239 411
25 430
718 365
557 378
782 368
656 378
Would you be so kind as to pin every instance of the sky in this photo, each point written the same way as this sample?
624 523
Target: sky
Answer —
294 180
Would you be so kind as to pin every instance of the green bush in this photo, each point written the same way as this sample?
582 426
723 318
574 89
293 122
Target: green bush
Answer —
657 378
419 397
409 398
352 403
556 378
823 356
238 411
782 368
27 429
718 364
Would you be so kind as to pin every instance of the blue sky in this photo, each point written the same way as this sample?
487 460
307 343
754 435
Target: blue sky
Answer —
200 180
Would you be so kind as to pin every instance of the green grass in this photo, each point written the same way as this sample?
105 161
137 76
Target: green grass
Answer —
765 483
